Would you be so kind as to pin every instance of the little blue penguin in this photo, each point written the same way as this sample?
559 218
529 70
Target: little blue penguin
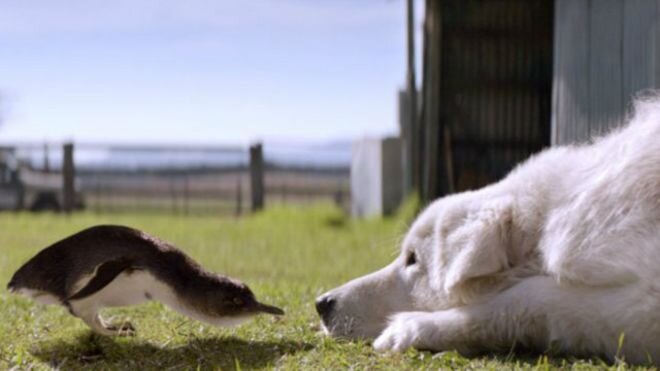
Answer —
114 266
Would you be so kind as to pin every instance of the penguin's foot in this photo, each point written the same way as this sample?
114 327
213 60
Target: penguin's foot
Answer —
101 327
121 329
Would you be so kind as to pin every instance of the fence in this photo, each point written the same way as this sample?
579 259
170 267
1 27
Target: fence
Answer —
193 179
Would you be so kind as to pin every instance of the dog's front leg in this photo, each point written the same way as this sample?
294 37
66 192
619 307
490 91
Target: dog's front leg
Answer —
516 316
537 314
421 330
454 329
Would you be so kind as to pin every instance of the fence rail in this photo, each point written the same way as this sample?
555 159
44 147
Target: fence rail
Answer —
186 179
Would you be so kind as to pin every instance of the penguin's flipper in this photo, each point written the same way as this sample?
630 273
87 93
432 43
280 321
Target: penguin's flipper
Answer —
104 274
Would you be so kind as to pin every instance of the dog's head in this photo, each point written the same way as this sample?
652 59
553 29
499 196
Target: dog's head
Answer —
451 255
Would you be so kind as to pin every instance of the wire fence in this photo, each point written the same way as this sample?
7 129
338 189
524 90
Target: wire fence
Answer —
191 180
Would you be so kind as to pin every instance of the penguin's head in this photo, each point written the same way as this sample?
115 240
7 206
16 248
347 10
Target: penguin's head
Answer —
232 298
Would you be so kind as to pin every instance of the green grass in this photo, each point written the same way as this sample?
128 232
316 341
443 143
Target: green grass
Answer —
288 256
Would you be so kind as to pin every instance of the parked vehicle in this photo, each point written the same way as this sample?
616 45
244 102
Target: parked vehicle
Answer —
25 188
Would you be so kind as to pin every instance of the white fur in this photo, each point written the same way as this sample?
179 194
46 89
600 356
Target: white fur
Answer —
562 254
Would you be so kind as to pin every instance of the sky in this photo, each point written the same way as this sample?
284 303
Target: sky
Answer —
201 71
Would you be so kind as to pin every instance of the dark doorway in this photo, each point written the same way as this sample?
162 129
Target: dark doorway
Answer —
488 70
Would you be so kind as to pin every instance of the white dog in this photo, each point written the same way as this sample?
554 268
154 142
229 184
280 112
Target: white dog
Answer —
563 254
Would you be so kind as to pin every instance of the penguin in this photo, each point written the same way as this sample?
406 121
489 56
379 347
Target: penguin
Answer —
116 266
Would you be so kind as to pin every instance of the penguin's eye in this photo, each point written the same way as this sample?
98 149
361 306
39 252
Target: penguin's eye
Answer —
237 301
411 259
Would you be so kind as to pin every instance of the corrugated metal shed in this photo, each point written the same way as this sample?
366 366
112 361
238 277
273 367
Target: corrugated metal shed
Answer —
487 89
504 78
605 52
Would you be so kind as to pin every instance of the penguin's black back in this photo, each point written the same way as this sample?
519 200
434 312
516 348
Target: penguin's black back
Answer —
58 267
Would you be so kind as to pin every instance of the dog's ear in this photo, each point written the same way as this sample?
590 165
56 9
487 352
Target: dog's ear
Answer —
480 246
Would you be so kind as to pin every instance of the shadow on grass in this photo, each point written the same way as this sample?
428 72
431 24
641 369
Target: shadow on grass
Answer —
92 351
550 359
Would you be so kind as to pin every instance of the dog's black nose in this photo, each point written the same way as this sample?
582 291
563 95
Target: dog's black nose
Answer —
324 305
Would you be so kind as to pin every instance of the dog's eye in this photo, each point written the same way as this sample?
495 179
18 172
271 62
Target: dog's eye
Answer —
411 259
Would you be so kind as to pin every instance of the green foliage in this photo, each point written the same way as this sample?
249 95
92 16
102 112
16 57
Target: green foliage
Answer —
287 255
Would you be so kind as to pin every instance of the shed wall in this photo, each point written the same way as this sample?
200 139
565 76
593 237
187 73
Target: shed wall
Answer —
605 52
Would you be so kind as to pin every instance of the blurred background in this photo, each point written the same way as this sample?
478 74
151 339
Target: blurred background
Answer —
225 107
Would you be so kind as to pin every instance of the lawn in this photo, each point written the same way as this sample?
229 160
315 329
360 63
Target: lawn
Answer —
288 256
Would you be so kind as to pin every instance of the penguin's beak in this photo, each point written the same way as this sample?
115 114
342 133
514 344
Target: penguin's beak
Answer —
265 308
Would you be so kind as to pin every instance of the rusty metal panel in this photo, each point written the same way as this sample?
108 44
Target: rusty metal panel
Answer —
496 67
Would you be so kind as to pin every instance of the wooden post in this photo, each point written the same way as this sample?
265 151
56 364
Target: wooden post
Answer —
239 196
68 179
436 175
339 196
186 194
257 176
410 138
46 158
173 195
97 188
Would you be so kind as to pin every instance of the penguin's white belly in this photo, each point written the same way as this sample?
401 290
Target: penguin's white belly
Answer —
140 286
40 297
129 289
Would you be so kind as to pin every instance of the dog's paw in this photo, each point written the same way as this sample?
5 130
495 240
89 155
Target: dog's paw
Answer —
405 330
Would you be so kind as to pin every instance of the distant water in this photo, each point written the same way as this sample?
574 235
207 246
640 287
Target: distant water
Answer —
336 154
